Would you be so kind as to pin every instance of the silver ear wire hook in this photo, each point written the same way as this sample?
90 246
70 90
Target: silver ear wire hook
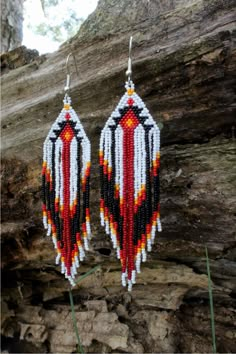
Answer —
129 70
68 74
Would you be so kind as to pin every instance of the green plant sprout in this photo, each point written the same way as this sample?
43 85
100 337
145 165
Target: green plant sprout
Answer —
79 347
213 334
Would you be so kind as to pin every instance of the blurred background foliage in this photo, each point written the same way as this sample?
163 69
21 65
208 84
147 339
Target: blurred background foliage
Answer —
60 23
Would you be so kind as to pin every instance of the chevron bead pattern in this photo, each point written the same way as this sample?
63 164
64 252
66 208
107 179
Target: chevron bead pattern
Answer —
129 157
65 189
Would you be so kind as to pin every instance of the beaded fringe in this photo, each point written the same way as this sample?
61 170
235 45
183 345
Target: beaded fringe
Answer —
65 183
129 157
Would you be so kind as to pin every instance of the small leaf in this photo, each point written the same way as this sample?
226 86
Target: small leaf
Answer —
87 274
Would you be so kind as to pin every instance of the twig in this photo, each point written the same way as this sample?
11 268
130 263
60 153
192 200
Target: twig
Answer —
79 347
213 334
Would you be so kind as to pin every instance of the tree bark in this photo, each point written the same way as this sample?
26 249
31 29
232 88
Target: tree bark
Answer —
11 24
184 69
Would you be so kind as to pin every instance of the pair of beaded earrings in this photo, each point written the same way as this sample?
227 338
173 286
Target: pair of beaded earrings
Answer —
129 158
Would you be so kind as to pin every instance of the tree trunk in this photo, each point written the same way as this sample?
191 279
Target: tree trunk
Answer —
11 24
183 68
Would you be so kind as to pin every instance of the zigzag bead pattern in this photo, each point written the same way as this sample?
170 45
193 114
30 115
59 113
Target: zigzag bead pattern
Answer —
65 189
129 157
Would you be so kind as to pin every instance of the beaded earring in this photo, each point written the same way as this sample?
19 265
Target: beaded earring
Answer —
129 156
65 187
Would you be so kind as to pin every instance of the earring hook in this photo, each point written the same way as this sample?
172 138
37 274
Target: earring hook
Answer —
68 74
129 70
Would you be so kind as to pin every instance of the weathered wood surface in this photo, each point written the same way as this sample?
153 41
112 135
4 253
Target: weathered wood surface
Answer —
184 69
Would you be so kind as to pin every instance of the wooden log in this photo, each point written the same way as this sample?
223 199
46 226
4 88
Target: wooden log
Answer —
184 69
